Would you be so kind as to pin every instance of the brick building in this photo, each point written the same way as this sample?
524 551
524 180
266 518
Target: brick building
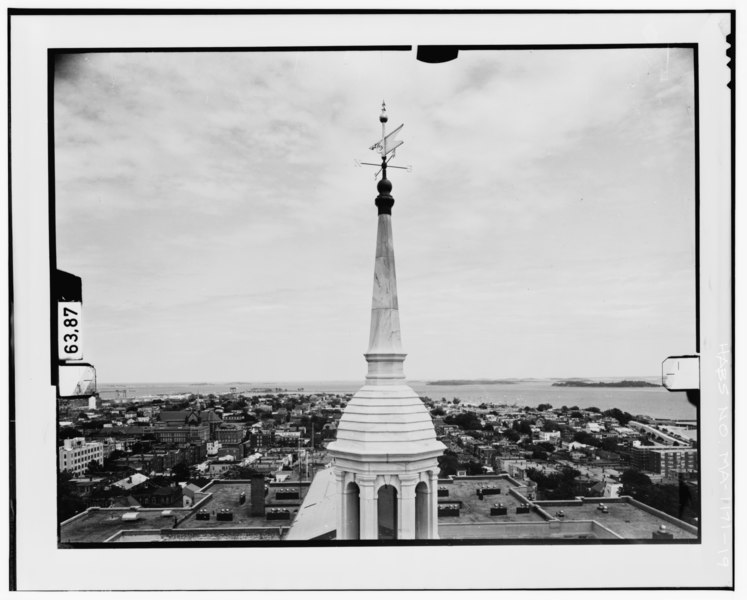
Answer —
186 426
230 434
668 461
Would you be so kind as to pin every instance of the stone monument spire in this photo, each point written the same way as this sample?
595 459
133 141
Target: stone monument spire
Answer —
386 451
384 355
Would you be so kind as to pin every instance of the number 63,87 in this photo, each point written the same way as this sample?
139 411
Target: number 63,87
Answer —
69 320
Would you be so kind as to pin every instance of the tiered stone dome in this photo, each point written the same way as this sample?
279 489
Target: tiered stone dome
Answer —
386 422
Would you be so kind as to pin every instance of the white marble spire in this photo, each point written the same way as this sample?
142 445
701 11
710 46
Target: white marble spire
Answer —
385 334
384 355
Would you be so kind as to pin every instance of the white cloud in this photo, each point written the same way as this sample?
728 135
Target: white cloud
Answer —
210 204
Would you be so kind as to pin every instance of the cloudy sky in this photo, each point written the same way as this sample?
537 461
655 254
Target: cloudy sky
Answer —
211 205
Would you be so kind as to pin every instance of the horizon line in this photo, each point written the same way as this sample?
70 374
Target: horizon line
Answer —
417 380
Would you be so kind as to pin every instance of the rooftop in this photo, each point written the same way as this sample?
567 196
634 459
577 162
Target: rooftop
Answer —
628 519
581 518
476 510
313 516
96 525
317 517
226 495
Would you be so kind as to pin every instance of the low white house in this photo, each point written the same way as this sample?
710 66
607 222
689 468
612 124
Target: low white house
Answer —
571 446
131 481
549 436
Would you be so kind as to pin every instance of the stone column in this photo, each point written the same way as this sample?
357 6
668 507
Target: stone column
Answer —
342 506
427 507
369 508
406 507
433 516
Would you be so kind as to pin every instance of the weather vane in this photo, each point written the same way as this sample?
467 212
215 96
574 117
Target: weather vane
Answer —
386 147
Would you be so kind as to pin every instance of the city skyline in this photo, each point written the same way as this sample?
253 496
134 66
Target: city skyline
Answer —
210 204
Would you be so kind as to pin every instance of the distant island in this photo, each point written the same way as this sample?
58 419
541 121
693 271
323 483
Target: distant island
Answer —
613 384
472 381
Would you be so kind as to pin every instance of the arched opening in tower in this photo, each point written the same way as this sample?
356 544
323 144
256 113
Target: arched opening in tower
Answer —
387 512
422 502
352 512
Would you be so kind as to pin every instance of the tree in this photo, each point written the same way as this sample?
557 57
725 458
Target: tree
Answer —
622 417
676 500
546 446
448 463
68 433
610 444
522 427
569 473
141 446
636 484
584 437
633 478
474 468
69 503
466 420
455 401
180 472
544 407
113 458
438 412
93 467
593 409
512 435
555 485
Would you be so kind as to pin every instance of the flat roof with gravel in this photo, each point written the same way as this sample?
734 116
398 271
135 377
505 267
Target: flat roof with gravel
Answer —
624 518
96 525
476 510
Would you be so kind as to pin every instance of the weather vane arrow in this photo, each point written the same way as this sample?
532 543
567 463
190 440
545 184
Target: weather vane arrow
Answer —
386 146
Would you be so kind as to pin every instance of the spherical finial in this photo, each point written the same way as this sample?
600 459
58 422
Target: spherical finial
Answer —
384 187
383 116
384 200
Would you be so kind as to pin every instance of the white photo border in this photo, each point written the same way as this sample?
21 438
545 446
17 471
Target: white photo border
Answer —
41 565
